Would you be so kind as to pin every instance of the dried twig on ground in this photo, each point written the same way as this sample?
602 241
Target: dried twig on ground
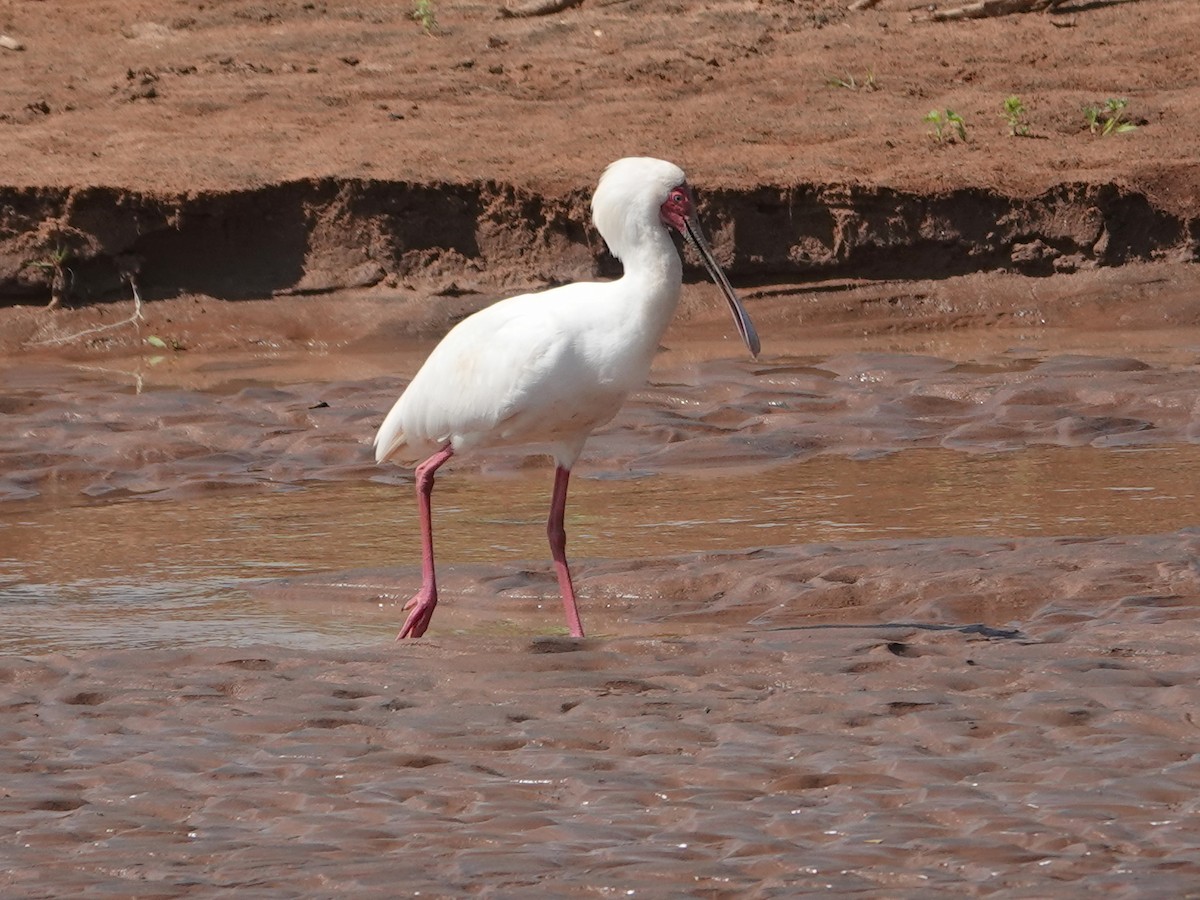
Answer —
977 9
982 9
537 8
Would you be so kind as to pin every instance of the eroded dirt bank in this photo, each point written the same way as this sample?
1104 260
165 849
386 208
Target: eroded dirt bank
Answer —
321 236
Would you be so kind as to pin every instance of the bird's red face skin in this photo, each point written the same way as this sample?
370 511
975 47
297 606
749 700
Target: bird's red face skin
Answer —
678 208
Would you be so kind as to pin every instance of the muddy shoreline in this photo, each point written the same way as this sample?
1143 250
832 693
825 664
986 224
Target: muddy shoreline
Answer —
167 422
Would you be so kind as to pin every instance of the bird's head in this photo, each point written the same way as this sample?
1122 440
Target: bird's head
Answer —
640 192
629 198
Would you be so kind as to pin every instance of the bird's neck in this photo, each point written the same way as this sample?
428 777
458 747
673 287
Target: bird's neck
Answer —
653 275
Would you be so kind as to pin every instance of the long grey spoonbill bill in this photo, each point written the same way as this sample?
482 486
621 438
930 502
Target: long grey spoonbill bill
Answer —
548 368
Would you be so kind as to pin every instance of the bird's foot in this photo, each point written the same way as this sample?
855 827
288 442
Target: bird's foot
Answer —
422 606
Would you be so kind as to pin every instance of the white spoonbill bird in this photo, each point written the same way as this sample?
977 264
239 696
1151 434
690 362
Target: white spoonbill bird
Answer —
549 368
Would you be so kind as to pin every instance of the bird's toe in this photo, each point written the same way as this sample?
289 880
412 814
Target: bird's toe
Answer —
422 606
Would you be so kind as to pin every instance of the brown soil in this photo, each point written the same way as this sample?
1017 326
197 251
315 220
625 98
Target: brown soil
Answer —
238 150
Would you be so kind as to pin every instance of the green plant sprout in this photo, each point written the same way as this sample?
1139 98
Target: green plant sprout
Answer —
423 14
1014 113
850 83
1109 118
946 124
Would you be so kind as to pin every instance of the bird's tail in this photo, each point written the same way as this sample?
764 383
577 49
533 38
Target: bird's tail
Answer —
390 436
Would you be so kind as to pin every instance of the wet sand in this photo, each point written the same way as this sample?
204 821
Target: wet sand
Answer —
1000 708
760 759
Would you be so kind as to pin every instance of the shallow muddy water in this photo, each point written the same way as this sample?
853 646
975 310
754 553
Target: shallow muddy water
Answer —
260 469
131 573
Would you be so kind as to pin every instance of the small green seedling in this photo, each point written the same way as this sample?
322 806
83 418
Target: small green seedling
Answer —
1109 118
850 83
946 125
1014 113
423 14
160 344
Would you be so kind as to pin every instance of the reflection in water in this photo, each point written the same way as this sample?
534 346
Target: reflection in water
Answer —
141 573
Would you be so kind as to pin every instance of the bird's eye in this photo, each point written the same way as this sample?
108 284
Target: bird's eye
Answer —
677 197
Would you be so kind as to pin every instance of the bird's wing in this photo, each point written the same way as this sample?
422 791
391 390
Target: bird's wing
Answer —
486 370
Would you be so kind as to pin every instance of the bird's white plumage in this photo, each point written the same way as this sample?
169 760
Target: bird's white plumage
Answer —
548 368
543 370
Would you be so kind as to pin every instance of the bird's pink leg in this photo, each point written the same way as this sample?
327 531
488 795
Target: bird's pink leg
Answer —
424 601
557 533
